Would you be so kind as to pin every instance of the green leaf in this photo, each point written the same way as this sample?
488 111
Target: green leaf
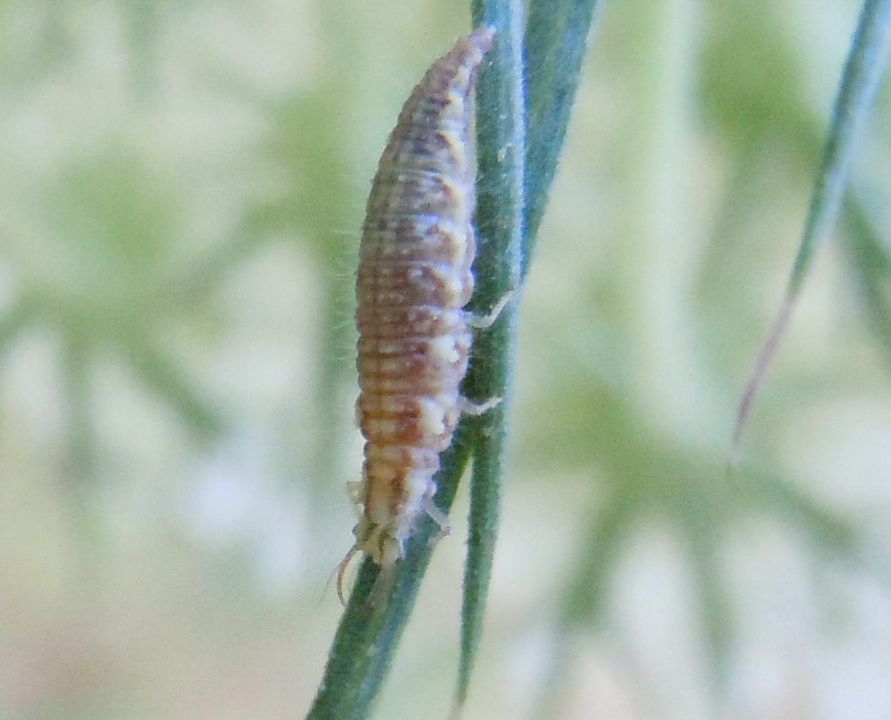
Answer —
872 266
501 148
556 36
511 203
860 79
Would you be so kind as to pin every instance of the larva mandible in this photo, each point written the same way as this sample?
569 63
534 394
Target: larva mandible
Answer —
413 282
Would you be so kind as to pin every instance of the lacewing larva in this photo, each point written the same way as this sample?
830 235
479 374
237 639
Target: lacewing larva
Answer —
414 280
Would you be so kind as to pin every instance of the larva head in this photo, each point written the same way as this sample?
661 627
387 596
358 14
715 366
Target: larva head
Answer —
378 543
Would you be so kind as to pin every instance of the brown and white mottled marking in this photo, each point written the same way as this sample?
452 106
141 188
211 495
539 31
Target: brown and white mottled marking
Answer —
413 282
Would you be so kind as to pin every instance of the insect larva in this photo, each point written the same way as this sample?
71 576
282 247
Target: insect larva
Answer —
414 280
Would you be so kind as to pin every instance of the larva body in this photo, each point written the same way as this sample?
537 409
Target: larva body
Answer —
414 280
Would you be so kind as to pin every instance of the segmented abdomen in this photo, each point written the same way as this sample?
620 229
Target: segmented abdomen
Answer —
414 279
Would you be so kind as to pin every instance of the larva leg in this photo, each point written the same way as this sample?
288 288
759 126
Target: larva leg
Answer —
437 515
481 322
468 407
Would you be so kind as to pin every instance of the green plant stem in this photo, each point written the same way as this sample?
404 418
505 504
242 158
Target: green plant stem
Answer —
501 148
860 79
872 266
555 44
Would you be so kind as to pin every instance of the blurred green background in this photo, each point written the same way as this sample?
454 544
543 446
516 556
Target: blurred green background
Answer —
182 187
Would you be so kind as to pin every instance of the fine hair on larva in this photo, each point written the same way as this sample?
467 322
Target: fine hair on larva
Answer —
413 283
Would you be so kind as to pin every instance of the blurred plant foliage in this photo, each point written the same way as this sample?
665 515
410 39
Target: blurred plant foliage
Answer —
150 152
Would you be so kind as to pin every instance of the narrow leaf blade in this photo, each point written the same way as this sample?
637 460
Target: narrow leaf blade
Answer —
860 79
499 217
555 44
